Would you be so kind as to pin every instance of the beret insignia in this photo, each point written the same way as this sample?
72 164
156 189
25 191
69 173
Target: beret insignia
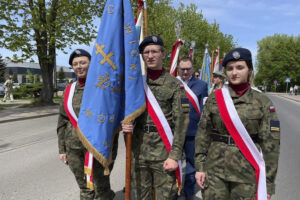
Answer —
154 39
236 55
77 52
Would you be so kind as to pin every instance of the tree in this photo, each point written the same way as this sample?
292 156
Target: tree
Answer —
36 78
15 78
2 70
40 27
278 58
29 76
23 78
162 18
61 75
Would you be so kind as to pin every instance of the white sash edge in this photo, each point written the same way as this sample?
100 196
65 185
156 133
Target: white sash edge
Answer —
258 156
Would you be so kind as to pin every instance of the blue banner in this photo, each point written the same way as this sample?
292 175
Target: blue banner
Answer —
205 69
114 87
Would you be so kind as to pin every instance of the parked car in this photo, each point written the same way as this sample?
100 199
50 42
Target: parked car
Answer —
62 86
2 89
16 85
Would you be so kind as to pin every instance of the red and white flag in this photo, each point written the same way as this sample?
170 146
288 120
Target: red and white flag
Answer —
174 57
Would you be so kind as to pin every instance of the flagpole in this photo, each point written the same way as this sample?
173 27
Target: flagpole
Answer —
212 64
128 166
145 18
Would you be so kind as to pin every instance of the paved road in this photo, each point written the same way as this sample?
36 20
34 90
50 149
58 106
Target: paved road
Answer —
30 168
288 178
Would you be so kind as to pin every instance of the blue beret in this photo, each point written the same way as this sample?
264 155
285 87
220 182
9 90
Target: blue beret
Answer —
152 39
79 53
238 54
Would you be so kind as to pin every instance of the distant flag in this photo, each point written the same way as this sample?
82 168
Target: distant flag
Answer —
221 66
191 55
205 70
114 86
139 25
174 56
216 61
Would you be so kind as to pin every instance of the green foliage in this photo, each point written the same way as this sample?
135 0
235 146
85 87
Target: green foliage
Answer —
29 76
15 78
39 27
23 78
278 58
29 90
162 18
61 75
36 78
2 70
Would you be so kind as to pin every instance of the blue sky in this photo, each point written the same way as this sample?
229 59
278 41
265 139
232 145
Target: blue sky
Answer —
248 21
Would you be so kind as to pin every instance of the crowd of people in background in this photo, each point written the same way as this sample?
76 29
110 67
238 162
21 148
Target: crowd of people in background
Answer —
294 90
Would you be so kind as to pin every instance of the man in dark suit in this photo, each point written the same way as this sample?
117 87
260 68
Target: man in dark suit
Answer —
199 88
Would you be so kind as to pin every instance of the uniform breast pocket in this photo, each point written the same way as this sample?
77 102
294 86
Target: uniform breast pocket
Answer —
253 120
164 96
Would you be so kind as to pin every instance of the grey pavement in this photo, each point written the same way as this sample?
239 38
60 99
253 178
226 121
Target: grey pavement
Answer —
15 112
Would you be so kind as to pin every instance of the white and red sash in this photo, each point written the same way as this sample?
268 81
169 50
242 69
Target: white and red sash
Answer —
242 139
191 96
88 164
162 126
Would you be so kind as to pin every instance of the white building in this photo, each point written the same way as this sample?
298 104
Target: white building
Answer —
21 69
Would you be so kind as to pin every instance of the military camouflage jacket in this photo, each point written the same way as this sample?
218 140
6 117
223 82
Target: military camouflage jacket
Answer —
174 104
67 136
258 115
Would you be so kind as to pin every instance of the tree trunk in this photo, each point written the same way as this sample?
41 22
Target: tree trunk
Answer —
47 74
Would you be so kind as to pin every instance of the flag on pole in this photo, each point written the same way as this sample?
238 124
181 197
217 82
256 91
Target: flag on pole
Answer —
174 56
114 87
139 25
205 70
216 61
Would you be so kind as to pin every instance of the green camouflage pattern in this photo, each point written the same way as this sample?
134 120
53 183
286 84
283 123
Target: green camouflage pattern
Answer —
148 148
226 161
217 189
169 95
149 175
69 143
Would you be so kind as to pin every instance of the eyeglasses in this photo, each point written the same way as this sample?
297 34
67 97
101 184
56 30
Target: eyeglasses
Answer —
81 63
153 52
185 69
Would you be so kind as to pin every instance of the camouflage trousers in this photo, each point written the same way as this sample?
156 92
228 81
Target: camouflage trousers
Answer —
218 189
102 190
149 175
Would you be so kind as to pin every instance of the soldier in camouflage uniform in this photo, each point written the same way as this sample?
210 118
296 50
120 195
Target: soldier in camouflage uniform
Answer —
222 170
71 150
8 89
153 166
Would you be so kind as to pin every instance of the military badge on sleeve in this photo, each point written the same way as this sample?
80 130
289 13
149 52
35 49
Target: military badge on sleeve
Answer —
185 103
275 126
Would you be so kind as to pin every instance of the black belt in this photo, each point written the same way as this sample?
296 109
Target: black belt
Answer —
152 128
223 138
149 128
